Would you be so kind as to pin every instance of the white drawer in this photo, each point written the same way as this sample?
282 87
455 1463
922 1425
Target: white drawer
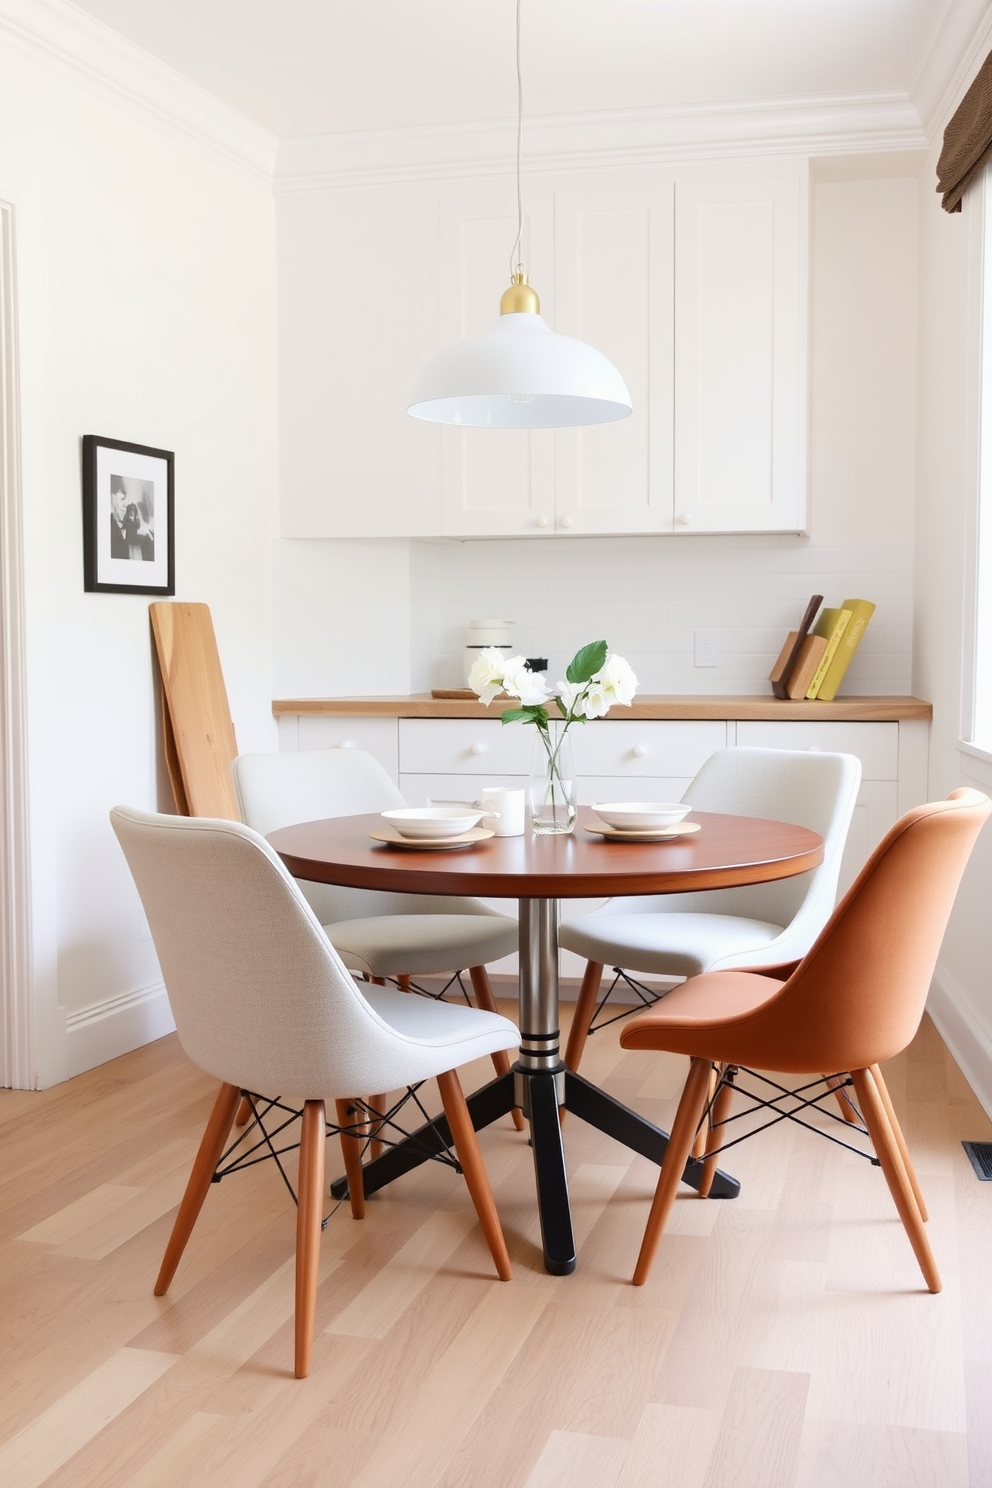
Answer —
420 790
459 746
875 744
376 736
662 748
593 788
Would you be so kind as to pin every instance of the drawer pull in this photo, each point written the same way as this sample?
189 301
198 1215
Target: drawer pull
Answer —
541 521
640 750
477 748
347 744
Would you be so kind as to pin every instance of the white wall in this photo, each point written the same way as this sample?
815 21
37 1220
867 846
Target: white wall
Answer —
147 313
647 596
950 301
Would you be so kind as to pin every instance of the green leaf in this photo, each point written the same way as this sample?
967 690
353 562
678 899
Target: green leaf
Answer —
532 713
587 662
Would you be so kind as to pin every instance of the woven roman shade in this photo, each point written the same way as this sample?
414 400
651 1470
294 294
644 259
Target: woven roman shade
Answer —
967 145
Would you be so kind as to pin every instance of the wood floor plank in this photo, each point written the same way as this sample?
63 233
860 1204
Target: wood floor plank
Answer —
377 1306
81 1214
35 1452
574 1459
925 1459
671 1448
757 1445
444 1406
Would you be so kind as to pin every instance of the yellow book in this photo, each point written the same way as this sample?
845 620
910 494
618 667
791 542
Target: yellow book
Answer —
861 612
831 625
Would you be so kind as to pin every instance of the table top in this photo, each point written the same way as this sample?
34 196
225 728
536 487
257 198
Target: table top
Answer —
727 850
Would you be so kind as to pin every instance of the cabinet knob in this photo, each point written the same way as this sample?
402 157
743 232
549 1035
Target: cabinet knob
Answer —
640 750
565 521
540 521
477 748
683 520
346 744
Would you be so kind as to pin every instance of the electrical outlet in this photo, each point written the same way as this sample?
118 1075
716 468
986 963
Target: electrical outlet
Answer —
704 648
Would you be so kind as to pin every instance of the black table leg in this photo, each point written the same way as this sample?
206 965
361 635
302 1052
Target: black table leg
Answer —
549 1170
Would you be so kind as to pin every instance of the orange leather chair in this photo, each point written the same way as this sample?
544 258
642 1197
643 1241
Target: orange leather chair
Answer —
854 1000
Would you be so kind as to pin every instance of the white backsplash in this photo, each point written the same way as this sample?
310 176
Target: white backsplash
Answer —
648 596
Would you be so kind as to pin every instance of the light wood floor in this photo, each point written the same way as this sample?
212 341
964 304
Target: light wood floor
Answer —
784 1338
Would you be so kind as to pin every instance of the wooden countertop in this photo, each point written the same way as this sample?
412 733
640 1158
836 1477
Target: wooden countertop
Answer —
421 705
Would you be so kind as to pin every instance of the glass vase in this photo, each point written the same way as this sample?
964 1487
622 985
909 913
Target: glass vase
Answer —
551 788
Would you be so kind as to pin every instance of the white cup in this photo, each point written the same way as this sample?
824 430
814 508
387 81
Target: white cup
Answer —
507 808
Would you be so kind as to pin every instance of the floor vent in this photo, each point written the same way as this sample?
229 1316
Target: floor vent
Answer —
980 1155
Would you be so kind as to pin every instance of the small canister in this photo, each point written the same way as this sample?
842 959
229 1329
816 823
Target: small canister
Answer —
486 634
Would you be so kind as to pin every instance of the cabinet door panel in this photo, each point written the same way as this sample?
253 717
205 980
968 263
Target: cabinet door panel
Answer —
377 736
463 746
875 744
740 354
493 481
613 289
622 748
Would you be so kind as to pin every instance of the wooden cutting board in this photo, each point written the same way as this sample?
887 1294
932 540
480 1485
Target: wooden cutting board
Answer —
199 735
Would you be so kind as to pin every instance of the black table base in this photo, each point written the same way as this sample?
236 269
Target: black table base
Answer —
539 1092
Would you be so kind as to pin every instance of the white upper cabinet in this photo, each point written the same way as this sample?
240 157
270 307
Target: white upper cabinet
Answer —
614 289
691 279
740 353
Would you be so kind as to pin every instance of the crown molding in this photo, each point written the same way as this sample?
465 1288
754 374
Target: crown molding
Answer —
816 126
960 43
99 58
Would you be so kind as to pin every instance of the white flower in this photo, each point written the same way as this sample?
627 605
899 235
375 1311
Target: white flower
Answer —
520 682
618 679
597 701
567 693
486 676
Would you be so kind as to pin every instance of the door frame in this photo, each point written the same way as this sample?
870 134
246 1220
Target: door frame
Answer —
17 1063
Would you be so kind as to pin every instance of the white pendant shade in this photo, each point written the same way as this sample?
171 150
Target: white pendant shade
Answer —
520 375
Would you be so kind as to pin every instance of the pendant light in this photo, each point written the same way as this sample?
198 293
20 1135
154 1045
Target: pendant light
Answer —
520 374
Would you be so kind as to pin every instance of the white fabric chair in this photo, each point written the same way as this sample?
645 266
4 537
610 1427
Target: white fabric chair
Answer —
263 1002
683 935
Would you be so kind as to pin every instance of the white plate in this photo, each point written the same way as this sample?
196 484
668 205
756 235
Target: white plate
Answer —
428 844
654 834
432 822
640 816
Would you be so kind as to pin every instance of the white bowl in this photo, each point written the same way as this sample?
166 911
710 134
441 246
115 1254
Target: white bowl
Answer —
641 816
432 821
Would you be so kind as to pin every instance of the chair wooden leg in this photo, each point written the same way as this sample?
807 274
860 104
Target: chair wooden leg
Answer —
585 1007
376 1103
701 1145
887 1150
351 1151
679 1144
244 1112
476 1177
309 1210
483 989
721 1110
886 1099
212 1144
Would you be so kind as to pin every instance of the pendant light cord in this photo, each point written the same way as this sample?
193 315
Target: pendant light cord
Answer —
515 264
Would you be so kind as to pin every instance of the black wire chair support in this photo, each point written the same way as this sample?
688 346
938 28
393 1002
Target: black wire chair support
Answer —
416 988
646 997
257 1143
829 1087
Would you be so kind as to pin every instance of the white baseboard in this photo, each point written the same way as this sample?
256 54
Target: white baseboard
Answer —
108 1029
965 1033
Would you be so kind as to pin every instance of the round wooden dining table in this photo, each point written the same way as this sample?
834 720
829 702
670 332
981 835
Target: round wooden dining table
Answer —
539 871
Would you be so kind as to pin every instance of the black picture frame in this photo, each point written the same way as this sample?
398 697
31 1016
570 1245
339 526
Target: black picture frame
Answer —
128 518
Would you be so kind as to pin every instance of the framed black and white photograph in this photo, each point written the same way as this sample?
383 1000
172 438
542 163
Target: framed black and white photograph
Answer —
128 518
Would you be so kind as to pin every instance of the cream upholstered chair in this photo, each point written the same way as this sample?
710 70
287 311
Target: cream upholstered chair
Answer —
382 935
682 935
854 1001
263 1003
